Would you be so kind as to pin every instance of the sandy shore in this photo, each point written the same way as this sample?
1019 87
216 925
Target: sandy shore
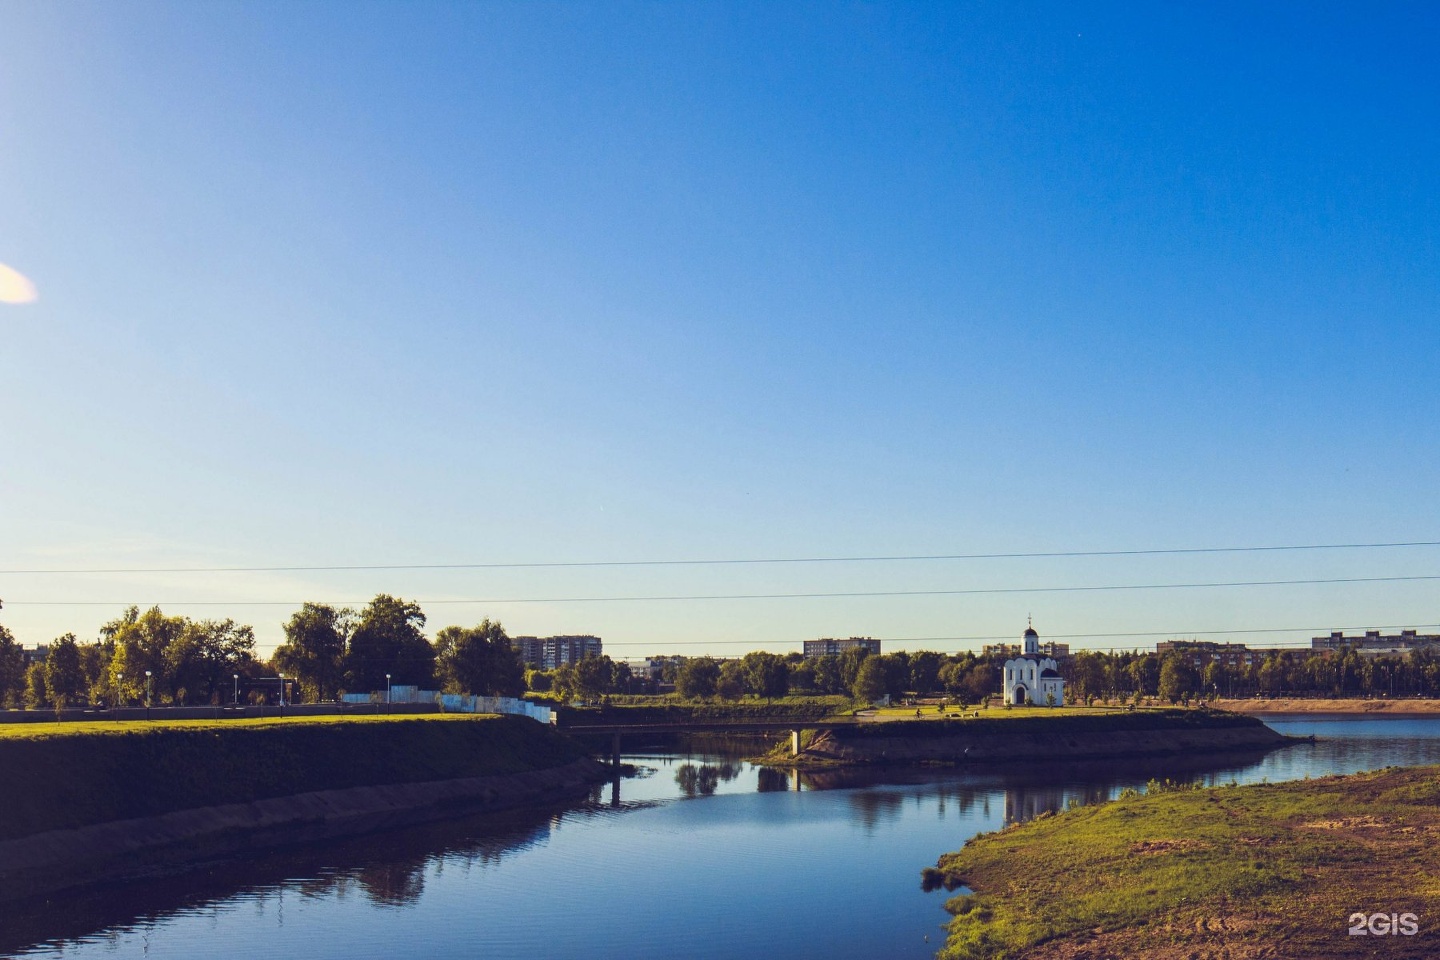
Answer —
1392 707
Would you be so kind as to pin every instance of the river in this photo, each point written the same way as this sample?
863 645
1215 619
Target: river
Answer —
699 856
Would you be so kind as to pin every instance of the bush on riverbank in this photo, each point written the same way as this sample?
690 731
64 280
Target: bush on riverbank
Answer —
55 776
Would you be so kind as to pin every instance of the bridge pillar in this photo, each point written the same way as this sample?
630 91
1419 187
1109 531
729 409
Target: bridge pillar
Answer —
615 750
794 743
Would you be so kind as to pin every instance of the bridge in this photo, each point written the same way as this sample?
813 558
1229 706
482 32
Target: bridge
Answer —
616 730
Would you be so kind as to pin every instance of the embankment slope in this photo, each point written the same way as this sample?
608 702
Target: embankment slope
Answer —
1034 736
125 799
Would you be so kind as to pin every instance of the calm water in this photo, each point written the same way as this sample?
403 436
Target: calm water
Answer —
699 857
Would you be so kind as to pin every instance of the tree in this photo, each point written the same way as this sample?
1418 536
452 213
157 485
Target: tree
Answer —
1177 678
95 661
12 670
766 674
316 636
731 683
1145 674
925 671
36 695
388 639
587 678
209 653
479 660
64 677
870 680
143 642
697 678
802 676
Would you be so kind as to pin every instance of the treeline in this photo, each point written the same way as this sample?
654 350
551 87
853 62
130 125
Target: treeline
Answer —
151 657
855 673
1174 676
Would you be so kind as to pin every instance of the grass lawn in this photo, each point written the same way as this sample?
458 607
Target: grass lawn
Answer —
1228 872
41 730
932 713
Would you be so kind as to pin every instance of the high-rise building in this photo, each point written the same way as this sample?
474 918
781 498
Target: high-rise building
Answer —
547 653
826 646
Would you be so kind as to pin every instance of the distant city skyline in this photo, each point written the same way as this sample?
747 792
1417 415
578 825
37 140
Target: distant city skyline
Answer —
407 285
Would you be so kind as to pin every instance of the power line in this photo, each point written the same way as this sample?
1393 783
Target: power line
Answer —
322 568
976 591
1050 636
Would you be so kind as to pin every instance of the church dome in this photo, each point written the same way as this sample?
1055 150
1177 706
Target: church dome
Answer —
1030 632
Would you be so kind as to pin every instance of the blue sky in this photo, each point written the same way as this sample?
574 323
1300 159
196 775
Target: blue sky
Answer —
327 284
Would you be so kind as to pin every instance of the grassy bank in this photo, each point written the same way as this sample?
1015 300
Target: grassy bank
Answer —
1047 721
1233 872
56 776
1303 705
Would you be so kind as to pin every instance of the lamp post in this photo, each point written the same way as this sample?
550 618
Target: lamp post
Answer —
388 700
149 687
237 689
282 694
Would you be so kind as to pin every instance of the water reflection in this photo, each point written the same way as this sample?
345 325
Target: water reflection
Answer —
703 780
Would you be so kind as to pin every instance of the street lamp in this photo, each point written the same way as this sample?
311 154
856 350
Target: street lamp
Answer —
282 694
237 689
388 700
149 687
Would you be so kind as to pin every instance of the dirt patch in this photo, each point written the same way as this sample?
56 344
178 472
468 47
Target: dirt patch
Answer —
1150 847
1348 823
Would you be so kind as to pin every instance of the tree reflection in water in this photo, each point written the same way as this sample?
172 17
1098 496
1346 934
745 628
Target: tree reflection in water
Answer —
703 780
771 780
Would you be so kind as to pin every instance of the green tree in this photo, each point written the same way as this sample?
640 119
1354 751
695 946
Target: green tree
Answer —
870 680
36 694
64 676
925 671
1177 677
591 676
316 636
697 678
766 674
730 685
12 670
209 653
802 676
388 639
478 660
95 665
1145 674
143 641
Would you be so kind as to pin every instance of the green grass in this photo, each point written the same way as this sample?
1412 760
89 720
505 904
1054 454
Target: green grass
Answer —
931 713
1202 873
56 776
42 730
1056 721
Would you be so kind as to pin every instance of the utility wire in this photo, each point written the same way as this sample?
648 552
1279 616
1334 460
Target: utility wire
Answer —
978 591
1181 634
320 568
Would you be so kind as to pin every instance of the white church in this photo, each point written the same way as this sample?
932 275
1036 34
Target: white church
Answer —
1031 678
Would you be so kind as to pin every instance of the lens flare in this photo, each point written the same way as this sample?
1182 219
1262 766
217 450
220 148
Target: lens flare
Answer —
15 287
